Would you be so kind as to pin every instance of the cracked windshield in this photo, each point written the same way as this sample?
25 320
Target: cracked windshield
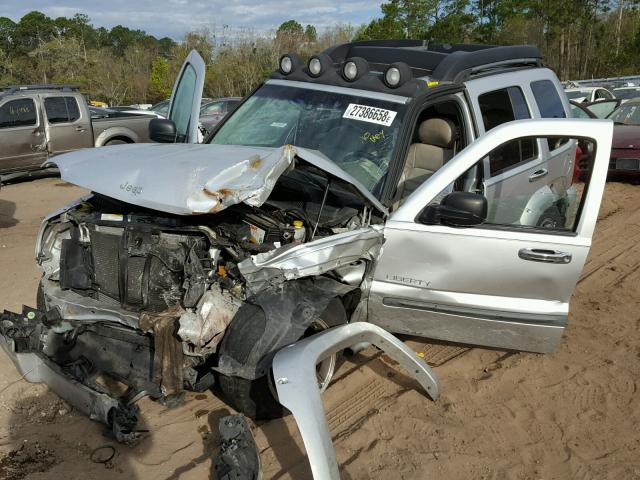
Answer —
359 134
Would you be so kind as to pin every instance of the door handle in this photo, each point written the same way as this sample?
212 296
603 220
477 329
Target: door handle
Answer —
80 128
538 174
546 256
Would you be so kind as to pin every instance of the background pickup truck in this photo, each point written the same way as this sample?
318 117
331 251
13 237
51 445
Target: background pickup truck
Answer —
38 122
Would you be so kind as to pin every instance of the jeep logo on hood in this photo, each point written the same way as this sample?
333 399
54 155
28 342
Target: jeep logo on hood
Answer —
134 189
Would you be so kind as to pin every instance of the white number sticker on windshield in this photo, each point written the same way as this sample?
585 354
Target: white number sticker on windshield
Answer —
369 114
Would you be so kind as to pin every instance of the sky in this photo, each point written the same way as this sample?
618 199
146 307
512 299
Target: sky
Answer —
173 18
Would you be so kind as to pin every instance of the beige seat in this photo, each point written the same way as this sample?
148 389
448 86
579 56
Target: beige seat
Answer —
437 138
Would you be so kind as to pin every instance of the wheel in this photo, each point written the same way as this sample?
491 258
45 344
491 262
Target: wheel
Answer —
115 142
551 219
41 304
258 399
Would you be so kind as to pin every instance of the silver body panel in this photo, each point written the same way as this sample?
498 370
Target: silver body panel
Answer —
471 285
294 371
537 184
312 258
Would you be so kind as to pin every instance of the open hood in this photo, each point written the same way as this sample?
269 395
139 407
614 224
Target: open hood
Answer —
192 179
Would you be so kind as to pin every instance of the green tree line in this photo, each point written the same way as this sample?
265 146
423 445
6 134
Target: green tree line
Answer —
578 38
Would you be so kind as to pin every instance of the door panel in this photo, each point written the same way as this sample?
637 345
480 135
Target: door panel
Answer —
67 127
472 285
184 109
22 140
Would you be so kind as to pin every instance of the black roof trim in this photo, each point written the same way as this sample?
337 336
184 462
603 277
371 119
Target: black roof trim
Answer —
460 62
441 62
27 88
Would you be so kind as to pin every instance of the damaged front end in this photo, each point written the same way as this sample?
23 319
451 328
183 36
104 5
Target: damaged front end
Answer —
27 337
136 301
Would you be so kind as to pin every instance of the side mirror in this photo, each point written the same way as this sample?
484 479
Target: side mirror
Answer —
162 130
458 209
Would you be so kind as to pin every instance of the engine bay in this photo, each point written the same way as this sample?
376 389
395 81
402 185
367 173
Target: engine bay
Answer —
143 260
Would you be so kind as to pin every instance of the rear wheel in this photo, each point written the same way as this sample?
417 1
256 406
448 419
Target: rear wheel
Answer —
258 399
551 219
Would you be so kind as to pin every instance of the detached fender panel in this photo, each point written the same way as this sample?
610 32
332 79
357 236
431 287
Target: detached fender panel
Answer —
294 370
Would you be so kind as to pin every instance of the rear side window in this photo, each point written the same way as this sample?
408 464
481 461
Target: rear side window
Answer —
501 106
548 100
18 113
550 105
61 109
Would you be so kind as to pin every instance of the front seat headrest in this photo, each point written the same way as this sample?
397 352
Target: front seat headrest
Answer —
439 132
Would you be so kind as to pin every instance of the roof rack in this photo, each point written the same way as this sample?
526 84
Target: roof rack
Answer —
442 62
20 88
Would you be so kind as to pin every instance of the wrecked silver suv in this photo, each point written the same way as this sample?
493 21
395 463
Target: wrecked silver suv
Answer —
359 187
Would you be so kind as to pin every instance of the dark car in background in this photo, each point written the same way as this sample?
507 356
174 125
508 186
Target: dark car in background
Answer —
625 149
162 108
627 93
212 112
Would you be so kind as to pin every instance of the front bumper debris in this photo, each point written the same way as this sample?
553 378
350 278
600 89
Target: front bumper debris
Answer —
238 458
294 371
23 339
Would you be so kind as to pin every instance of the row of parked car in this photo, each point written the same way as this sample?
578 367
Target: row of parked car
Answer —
584 94
39 122
59 120
625 114
212 110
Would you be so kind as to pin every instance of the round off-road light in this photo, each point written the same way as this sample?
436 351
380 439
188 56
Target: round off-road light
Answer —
354 68
392 77
289 63
286 65
397 74
350 71
319 64
315 67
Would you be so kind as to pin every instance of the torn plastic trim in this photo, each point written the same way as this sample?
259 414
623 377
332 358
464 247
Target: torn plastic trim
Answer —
98 406
294 370
310 259
204 326
51 216
275 317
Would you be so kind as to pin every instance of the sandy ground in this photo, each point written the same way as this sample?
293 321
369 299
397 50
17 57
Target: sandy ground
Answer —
502 415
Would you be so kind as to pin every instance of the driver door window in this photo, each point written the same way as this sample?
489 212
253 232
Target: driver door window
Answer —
182 103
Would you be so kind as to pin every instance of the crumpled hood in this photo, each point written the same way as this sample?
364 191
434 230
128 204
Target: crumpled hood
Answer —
187 179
